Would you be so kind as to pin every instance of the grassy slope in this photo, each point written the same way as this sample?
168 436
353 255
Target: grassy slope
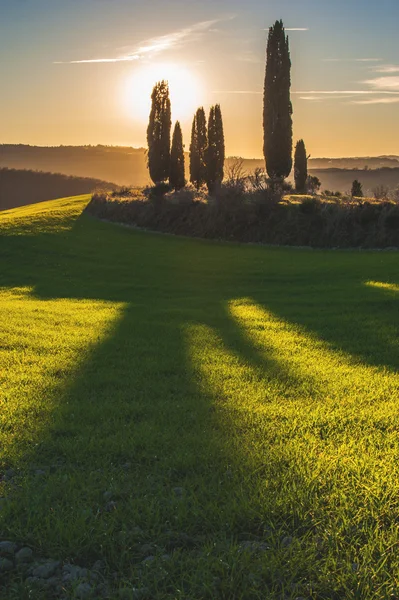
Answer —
221 393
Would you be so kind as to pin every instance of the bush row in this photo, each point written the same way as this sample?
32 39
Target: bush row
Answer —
261 217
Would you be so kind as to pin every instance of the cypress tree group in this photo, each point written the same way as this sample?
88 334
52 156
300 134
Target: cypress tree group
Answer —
198 149
357 189
300 167
176 176
215 151
277 108
158 133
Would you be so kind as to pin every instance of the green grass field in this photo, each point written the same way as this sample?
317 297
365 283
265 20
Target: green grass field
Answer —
230 411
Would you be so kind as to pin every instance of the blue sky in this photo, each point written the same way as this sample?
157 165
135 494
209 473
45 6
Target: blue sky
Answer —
340 48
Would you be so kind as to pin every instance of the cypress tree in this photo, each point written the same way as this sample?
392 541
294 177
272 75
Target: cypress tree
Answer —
176 177
215 151
300 167
357 189
277 107
158 133
198 149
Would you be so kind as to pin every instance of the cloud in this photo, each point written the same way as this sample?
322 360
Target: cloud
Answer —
361 60
255 92
386 69
155 45
344 92
391 100
384 84
317 94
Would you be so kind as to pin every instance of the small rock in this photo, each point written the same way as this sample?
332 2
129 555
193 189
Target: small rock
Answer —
24 555
98 566
47 570
148 559
40 472
146 549
7 548
107 496
73 573
52 582
286 541
253 546
9 474
178 491
6 565
83 590
110 506
32 581
126 466
102 590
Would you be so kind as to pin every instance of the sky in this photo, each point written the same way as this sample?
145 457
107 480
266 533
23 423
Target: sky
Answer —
81 71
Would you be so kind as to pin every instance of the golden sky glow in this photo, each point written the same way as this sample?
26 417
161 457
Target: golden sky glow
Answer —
82 72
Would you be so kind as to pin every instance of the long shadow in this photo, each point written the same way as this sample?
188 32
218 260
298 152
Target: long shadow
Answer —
152 447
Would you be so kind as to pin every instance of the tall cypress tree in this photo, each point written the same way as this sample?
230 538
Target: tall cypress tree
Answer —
357 189
215 152
198 149
158 133
176 177
300 167
277 108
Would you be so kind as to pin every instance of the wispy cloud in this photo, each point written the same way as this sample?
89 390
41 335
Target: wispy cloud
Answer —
317 94
345 92
386 69
155 45
390 100
361 60
384 84
254 92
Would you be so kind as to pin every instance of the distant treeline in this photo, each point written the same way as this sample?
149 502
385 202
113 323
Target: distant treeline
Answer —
20 187
128 166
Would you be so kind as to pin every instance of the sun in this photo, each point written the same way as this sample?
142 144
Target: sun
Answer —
186 91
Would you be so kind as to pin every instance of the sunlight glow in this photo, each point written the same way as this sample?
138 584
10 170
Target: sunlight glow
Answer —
186 90
390 287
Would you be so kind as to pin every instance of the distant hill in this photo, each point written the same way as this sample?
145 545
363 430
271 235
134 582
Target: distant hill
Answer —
366 162
341 179
122 165
21 187
128 166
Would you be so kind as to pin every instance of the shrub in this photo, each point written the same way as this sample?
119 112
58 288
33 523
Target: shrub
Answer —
155 192
310 205
380 192
313 184
257 216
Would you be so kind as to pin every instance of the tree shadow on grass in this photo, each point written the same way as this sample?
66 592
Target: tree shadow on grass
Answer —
136 452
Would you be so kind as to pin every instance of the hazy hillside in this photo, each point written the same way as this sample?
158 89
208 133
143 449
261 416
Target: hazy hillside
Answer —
365 162
21 187
341 179
122 165
128 166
